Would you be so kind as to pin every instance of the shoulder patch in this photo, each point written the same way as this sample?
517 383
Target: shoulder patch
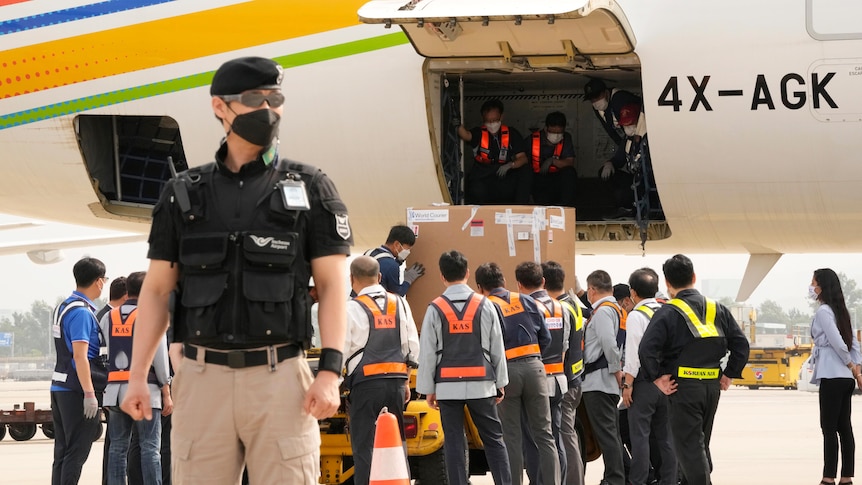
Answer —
342 226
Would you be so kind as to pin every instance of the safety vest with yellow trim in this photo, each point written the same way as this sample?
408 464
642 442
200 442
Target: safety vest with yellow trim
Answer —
521 339
484 148
382 357
574 363
602 361
462 357
552 355
701 358
537 153
120 332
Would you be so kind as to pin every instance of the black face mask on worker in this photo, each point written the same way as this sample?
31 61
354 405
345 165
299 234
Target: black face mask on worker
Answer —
257 127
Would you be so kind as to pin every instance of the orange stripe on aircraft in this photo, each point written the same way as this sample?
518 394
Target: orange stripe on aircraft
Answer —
166 41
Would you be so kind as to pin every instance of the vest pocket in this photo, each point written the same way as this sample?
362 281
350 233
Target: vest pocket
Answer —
269 303
270 250
201 294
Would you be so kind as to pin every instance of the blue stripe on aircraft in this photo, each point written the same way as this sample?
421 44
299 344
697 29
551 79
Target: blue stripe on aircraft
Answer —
74 13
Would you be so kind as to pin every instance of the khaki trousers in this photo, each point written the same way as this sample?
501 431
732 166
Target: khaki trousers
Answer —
224 418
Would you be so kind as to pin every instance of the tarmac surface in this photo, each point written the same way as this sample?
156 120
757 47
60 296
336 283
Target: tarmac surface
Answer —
765 436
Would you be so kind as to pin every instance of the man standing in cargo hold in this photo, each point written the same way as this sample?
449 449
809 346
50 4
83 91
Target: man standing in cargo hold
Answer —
236 240
500 173
681 353
391 255
552 157
525 336
382 346
463 363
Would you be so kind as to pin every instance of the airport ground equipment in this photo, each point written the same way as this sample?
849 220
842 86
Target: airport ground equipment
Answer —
774 367
22 423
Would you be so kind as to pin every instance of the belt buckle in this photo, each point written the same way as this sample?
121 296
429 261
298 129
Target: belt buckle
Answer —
236 359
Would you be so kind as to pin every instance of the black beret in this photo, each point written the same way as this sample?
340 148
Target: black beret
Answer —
593 89
245 73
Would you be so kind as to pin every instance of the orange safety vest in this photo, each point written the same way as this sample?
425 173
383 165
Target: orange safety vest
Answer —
514 314
462 357
552 356
482 156
121 328
537 149
381 355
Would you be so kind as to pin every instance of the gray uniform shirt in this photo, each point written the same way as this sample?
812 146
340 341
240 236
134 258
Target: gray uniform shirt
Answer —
600 337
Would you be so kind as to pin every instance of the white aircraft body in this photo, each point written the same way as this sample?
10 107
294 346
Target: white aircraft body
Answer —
754 108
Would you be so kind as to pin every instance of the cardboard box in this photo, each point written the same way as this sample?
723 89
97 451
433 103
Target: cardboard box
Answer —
506 235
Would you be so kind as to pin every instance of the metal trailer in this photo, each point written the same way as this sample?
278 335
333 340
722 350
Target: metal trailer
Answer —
22 422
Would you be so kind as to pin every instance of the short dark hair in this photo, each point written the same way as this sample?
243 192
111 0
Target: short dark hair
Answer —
555 118
529 274
554 275
453 266
678 271
402 234
491 104
118 288
644 282
622 291
134 283
600 280
87 271
490 276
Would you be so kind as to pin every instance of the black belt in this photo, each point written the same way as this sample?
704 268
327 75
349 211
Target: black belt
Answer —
238 359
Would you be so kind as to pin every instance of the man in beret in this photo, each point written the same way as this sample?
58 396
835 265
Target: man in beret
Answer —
232 246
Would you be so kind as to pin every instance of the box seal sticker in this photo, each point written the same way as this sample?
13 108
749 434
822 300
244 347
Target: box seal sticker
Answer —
477 228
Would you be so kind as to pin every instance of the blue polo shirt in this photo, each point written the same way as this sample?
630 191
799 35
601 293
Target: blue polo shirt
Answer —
80 325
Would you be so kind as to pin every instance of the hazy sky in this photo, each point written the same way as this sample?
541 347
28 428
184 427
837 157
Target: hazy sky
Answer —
25 281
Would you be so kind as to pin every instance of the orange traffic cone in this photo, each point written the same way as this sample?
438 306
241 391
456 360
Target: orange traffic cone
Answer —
388 463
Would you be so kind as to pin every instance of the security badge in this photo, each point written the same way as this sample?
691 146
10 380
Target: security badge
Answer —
293 195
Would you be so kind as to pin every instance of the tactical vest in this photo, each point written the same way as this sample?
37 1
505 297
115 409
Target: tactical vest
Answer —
65 374
537 153
462 358
700 359
121 330
602 361
516 320
574 363
243 289
381 355
483 155
552 355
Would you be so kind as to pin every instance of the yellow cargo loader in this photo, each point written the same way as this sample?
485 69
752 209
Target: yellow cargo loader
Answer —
773 367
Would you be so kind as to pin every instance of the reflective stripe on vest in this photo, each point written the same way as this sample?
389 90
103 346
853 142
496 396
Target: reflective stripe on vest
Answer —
514 309
463 357
523 351
482 156
384 331
700 329
537 152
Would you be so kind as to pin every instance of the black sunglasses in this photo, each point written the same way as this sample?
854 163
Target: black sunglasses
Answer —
254 99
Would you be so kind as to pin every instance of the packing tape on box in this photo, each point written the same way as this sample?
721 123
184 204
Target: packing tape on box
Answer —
473 212
538 221
510 234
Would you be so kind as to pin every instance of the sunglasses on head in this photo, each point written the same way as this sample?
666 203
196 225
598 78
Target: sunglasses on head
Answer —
255 99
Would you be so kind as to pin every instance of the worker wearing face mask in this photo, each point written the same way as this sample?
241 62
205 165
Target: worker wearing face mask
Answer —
607 106
552 154
391 255
500 173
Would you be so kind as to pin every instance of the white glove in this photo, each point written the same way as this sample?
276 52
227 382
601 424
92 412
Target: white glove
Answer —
413 273
546 166
91 405
504 169
607 170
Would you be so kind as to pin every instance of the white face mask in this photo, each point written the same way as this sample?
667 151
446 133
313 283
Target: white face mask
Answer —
631 130
811 293
494 127
555 138
402 255
600 105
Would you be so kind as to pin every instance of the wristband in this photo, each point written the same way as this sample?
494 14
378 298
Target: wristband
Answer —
331 360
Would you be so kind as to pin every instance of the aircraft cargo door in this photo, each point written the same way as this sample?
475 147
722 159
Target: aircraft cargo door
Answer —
535 57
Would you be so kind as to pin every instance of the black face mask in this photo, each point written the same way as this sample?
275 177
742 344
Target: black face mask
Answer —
257 127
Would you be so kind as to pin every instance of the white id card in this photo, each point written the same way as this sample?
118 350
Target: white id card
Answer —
293 195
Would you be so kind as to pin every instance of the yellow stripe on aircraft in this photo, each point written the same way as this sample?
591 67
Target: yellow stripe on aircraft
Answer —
167 41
